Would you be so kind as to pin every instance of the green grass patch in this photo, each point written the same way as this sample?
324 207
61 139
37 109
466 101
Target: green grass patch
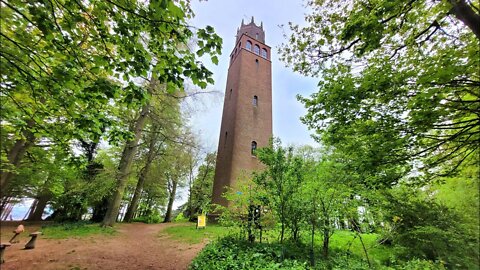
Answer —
187 232
72 230
346 240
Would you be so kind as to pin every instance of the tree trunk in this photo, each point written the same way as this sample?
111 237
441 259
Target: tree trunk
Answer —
132 207
467 15
326 241
171 199
37 213
99 210
16 154
124 169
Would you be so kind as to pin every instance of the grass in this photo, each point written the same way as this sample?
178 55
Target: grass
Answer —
344 240
71 230
187 232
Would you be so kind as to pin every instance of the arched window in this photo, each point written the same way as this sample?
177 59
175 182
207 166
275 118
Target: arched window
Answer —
248 46
254 148
256 49
264 53
255 101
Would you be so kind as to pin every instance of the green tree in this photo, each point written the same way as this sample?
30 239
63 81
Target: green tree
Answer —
201 191
282 179
164 123
399 83
64 62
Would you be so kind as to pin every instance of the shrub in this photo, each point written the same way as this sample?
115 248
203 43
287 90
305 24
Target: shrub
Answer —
229 253
148 219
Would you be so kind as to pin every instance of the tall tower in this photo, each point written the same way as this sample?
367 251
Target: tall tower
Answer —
247 109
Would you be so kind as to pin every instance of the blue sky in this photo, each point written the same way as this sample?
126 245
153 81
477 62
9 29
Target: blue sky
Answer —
226 16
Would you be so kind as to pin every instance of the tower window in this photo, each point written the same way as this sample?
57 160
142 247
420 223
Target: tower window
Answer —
264 53
225 142
254 148
240 44
255 101
256 36
248 46
230 96
256 49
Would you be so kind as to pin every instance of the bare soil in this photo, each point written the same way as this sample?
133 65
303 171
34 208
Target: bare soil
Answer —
134 246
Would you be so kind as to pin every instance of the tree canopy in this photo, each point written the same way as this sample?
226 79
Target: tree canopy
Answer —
399 83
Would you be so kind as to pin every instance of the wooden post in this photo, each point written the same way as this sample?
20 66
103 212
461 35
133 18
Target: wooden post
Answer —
3 246
31 243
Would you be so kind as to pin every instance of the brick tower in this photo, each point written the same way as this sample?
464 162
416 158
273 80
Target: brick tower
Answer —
247 109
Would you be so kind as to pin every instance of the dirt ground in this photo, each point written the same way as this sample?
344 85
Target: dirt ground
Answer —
135 246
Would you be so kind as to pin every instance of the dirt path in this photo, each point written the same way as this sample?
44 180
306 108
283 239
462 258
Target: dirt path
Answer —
135 246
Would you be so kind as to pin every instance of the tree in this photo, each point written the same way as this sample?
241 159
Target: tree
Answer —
201 191
64 62
399 83
165 122
281 179
424 228
177 170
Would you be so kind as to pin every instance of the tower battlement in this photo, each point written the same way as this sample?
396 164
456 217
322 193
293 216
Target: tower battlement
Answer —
251 30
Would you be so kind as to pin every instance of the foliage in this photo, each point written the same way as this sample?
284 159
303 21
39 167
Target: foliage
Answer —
399 83
190 234
150 219
201 191
281 182
71 230
72 69
228 253
423 228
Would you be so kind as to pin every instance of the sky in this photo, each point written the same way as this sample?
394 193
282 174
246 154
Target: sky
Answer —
226 16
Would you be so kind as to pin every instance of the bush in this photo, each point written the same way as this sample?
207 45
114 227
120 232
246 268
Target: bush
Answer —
148 219
430 231
229 253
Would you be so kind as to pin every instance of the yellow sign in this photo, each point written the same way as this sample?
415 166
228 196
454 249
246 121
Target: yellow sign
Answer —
202 221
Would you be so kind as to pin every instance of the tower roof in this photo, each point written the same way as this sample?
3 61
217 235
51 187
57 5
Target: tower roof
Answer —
252 30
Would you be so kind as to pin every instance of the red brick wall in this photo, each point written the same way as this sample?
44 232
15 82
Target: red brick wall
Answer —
249 75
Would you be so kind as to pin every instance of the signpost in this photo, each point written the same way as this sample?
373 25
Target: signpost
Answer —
202 221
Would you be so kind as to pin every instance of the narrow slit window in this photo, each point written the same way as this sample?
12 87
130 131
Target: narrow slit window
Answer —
253 150
230 96
255 101
226 137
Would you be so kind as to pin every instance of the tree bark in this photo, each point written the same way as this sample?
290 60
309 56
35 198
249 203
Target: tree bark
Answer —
16 154
171 199
132 207
37 213
151 155
467 15
124 169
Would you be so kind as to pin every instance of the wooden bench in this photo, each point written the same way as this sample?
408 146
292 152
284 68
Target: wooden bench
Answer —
16 232
3 246
31 243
